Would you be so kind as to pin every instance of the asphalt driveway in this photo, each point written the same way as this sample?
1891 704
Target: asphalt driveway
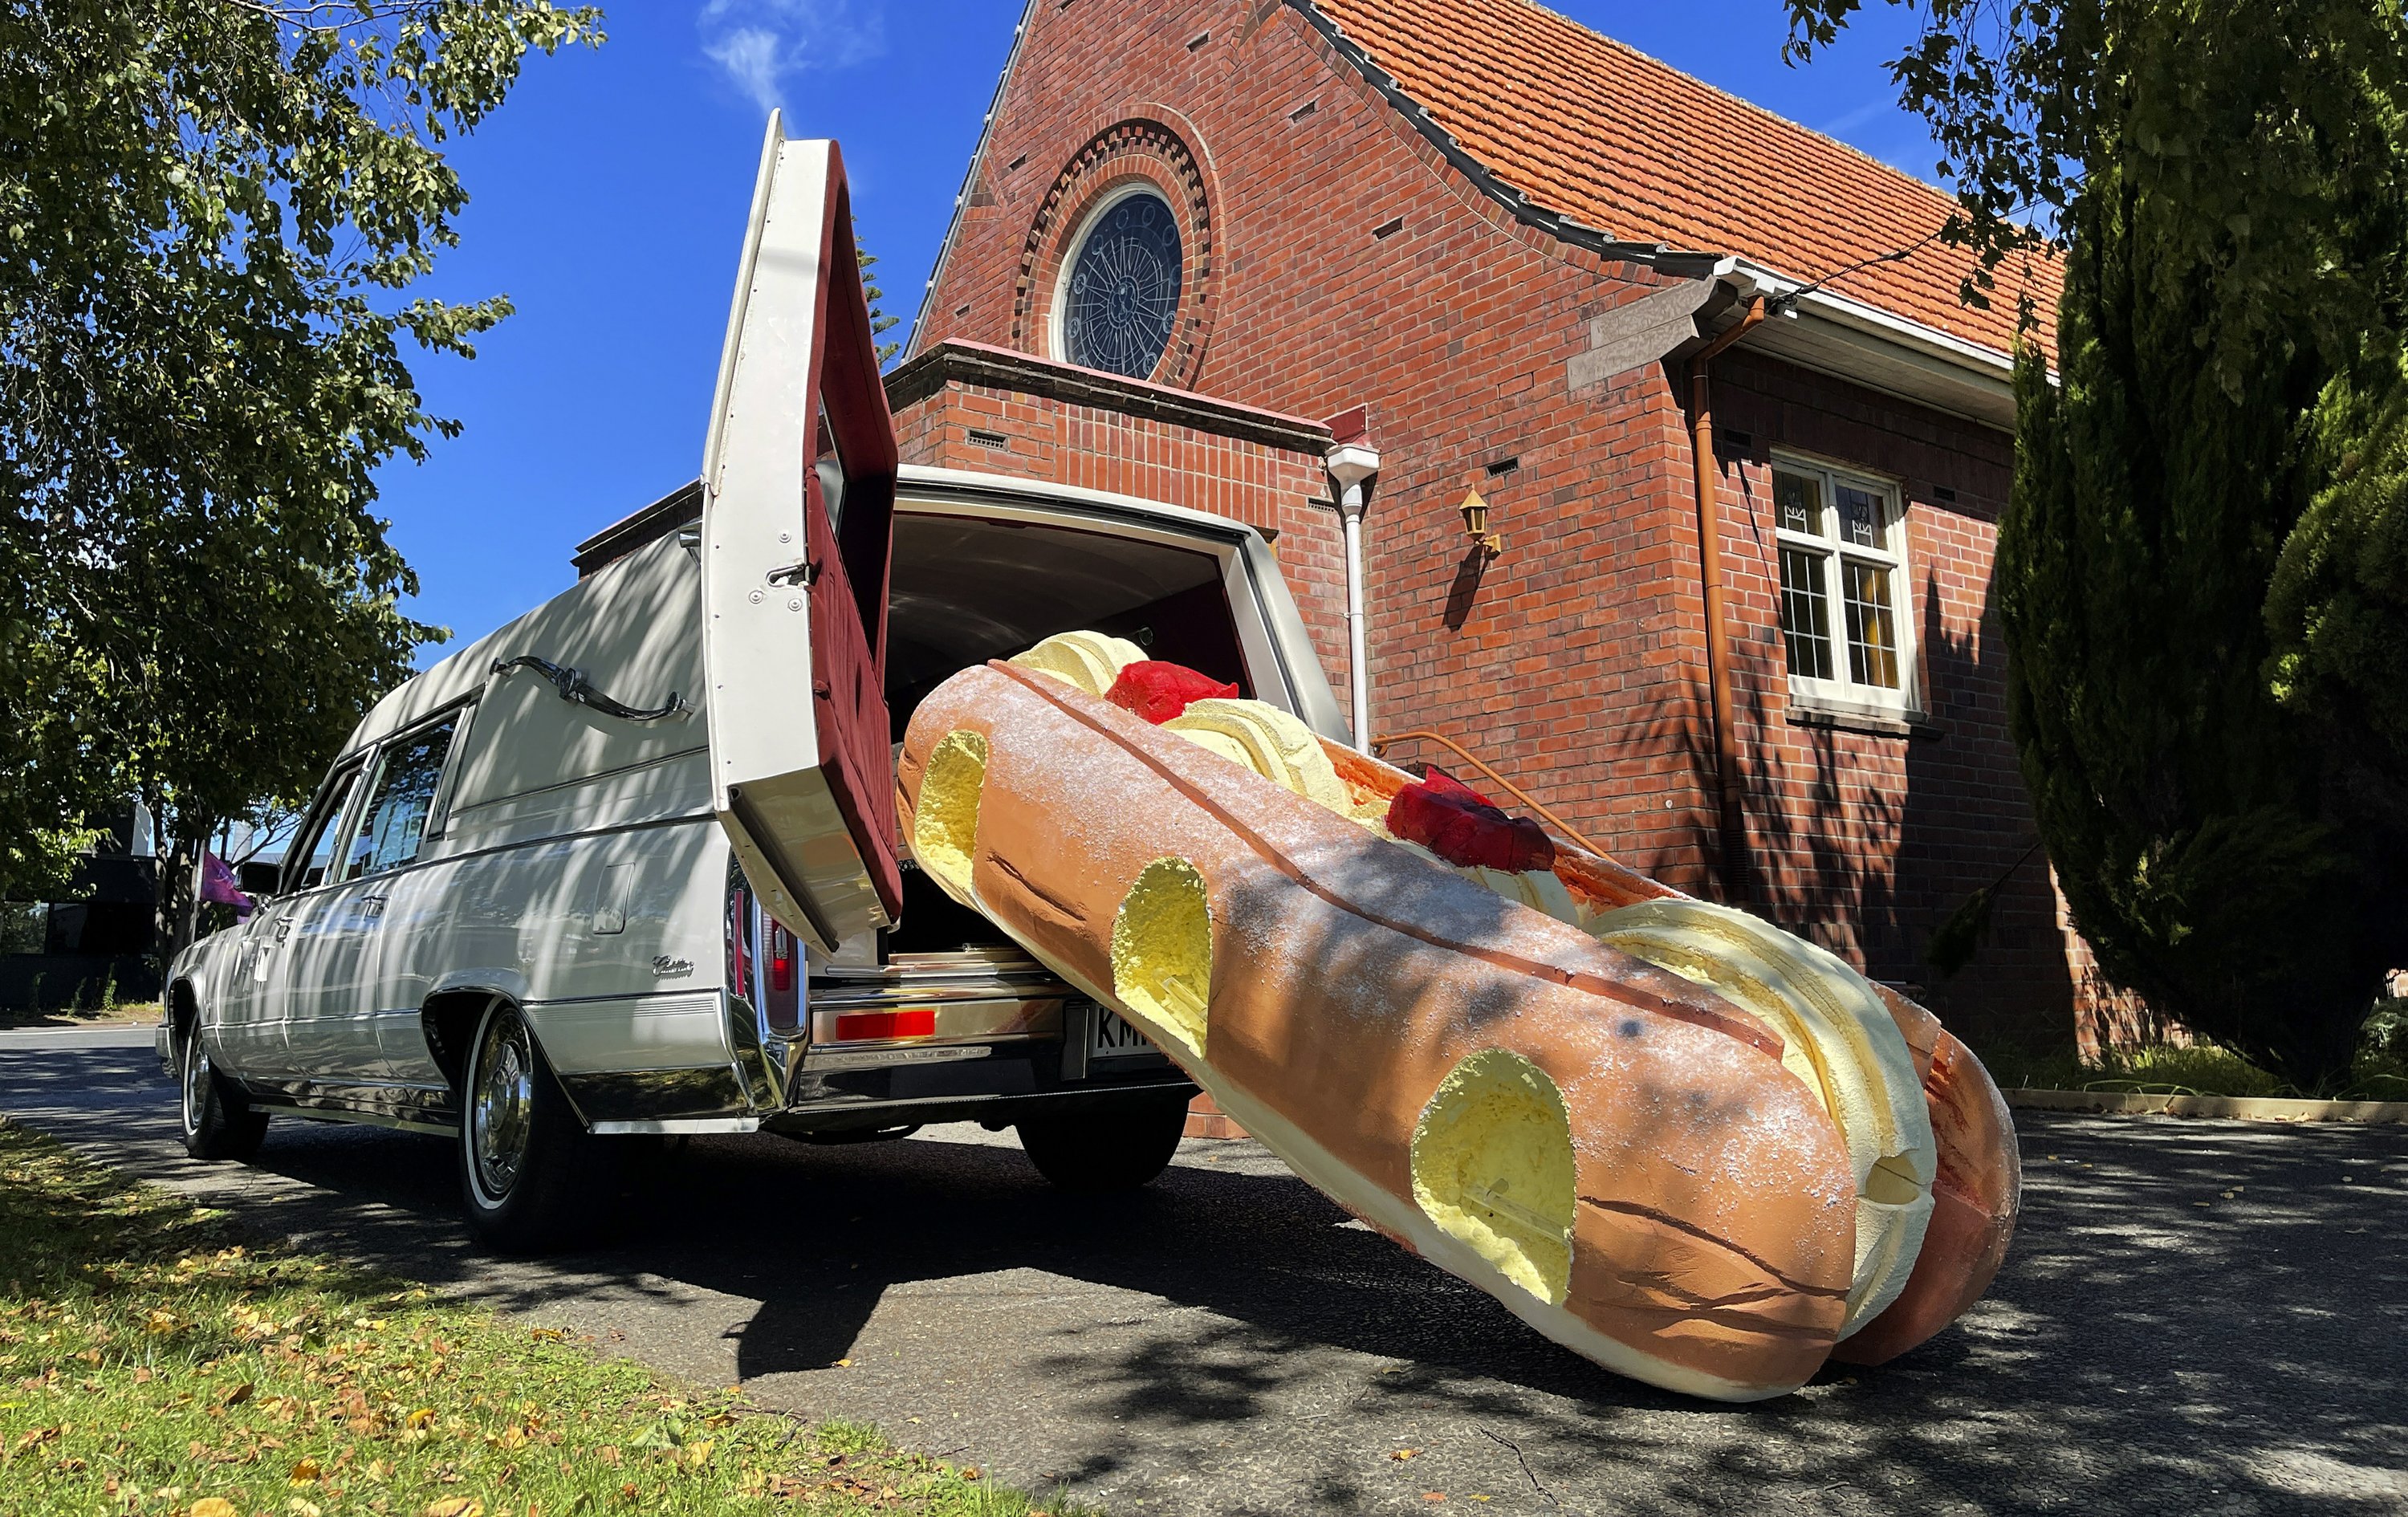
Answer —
2198 1317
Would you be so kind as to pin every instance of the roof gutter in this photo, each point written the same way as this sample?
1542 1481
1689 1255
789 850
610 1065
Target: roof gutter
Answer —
1673 262
1822 329
969 180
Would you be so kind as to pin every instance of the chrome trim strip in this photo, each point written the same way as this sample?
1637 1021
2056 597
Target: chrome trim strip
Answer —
649 824
426 1127
679 1124
1067 1094
693 1092
895 1058
848 995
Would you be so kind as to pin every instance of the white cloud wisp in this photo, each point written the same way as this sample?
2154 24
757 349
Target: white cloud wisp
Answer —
758 44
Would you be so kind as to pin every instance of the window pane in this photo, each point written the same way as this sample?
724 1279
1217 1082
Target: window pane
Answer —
1805 614
319 851
1860 517
1872 634
1799 497
389 833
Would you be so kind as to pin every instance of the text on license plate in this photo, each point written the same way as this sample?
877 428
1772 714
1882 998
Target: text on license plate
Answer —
1114 1038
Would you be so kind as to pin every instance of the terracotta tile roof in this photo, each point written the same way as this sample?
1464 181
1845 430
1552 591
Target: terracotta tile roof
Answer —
1589 127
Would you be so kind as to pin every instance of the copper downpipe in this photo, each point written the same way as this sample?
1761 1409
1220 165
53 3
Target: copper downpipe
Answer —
1732 860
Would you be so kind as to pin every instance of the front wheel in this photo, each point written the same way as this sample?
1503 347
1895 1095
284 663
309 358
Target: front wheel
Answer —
523 1151
219 1121
1118 1149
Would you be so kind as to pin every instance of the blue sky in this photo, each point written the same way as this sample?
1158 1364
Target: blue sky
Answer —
607 197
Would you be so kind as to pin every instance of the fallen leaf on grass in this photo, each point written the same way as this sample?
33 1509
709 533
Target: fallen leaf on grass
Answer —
299 1507
970 1472
214 1506
454 1506
307 1473
240 1394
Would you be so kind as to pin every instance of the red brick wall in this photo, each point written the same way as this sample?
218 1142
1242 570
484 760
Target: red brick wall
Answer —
1260 484
1575 660
1865 840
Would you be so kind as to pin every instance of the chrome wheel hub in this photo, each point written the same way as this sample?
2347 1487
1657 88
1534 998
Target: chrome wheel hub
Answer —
501 1104
196 1080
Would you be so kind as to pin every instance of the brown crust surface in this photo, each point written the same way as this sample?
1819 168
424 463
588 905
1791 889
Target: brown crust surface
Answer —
1978 1186
1716 1220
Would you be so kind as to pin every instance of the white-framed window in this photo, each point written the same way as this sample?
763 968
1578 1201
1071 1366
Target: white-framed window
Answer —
1844 626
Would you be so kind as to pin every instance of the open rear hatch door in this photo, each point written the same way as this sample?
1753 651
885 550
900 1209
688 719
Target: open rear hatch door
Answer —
797 527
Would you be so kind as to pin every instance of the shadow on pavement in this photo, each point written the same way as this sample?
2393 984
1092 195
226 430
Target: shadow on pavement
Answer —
2156 1344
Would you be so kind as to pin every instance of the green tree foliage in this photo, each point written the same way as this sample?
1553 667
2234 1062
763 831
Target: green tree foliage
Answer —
2200 570
209 210
879 323
2338 609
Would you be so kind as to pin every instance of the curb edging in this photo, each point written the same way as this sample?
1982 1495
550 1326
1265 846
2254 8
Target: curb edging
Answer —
2245 1108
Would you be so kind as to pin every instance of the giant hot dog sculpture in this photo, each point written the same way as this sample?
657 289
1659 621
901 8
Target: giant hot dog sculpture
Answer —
1690 1147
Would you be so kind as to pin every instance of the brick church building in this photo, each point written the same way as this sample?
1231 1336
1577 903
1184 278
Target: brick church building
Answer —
1541 274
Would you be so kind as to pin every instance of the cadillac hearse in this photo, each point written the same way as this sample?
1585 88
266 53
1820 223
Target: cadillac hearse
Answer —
631 865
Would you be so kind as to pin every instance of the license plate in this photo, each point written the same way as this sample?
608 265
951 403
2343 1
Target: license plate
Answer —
1114 1038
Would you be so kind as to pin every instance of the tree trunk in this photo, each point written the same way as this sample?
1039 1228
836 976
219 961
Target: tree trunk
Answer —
176 922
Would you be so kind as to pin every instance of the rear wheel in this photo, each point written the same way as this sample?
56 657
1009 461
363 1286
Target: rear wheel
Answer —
1118 1149
219 1121
522 1151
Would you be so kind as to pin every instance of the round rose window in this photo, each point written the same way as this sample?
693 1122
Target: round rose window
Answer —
1120 293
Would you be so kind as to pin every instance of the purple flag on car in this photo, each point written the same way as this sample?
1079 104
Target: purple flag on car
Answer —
218 887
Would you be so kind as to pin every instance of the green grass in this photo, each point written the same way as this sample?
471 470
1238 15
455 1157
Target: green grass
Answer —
141 1014
2380 1073
150 1363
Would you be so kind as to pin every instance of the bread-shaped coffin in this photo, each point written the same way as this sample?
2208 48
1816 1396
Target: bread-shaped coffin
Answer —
1976 1174
1616 1151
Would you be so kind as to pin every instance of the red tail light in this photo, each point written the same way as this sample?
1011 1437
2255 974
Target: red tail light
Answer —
781 959
912 1022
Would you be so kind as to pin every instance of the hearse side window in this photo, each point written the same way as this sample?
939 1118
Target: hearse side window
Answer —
408 772
317 849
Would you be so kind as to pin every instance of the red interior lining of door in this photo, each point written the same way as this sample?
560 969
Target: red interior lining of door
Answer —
849 705
848 594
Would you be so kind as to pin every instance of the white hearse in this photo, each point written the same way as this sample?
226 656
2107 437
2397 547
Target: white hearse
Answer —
631 865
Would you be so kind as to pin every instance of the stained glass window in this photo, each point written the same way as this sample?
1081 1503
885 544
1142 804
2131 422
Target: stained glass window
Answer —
1121 296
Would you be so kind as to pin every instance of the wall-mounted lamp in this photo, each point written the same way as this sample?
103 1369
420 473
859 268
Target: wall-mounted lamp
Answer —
1475 525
